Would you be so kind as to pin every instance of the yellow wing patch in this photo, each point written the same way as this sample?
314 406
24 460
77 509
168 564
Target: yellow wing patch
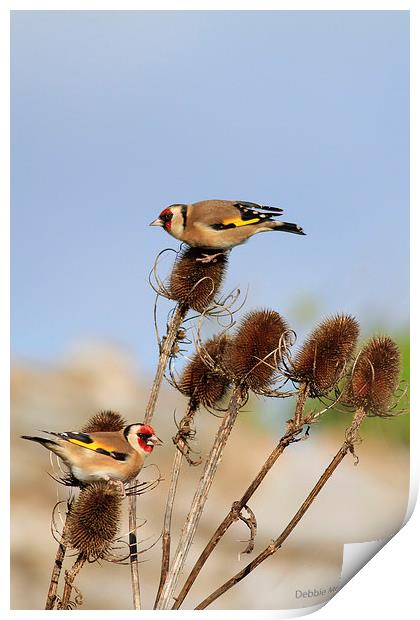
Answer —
238 222
91 446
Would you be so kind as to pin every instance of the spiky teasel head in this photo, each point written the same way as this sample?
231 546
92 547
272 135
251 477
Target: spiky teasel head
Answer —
375 377
104 421
252 356
203 379
194 284
321 361
93 520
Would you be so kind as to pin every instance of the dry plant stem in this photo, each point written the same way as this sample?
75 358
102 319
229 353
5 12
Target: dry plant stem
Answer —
176 470
300 404
196 510
58 564
165 354
56 571
69 580
132 540
347 446
294 429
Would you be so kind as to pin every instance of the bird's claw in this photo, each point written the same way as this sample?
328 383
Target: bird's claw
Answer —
209 258
120 485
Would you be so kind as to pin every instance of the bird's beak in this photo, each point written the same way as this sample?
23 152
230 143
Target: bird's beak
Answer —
153 441
157 222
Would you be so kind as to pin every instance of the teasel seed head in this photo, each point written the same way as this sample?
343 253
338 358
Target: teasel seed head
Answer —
104 421
93 520
375 377
252 356
322 360
194 284
205 382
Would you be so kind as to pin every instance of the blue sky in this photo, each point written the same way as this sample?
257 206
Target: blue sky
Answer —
116 114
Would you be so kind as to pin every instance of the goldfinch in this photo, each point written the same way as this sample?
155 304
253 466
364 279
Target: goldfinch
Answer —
113 456
220 224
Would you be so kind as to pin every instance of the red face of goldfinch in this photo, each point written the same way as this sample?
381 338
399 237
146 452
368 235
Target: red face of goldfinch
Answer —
146 437
164 220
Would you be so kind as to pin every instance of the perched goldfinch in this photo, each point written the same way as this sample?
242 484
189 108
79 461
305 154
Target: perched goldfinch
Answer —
220 224
114 456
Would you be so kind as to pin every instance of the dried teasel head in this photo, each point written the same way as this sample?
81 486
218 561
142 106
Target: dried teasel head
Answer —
203 379
104 421
375 377
194 284
322 360
93 520
252 356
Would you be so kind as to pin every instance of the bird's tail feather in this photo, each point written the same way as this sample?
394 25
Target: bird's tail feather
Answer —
288 227
47 443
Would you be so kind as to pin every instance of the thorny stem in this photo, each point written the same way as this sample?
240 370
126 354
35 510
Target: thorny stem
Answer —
55 575
56 571
69 580
200 497
181 444
166 347
132 540
294 429
347 446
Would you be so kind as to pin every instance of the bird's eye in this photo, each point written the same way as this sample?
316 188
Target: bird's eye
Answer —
166 215
144 436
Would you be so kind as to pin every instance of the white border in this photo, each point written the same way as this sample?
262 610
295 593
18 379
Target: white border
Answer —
387 585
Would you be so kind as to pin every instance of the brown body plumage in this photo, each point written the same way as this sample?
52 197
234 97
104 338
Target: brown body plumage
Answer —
117 455
221 224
